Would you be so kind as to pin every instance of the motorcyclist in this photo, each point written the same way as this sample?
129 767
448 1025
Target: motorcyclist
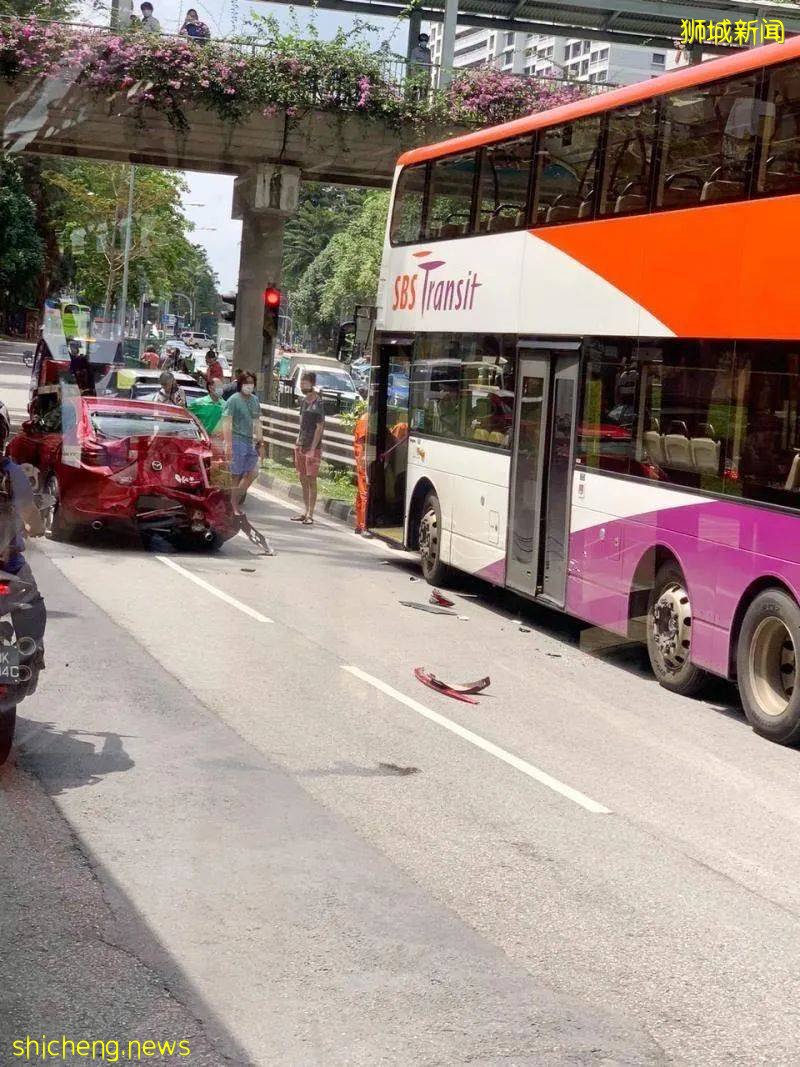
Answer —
22 517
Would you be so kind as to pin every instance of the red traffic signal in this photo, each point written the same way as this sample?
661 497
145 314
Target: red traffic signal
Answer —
272 298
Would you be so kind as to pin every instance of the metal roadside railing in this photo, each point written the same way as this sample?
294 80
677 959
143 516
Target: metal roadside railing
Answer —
281 426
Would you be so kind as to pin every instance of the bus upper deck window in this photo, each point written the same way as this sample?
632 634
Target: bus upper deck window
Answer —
408 202
628 155
780 157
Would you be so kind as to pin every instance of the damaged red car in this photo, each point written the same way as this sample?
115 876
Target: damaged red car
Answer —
113 463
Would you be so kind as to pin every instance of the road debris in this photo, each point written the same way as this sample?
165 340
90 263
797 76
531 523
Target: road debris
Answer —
457 690
413 579
248 570
395 768
441 600
553 655
432 608
524 629
256 536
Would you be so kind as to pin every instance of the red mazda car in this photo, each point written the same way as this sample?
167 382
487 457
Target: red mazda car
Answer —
111 462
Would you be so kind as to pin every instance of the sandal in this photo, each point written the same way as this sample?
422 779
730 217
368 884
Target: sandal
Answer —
308 522
297 518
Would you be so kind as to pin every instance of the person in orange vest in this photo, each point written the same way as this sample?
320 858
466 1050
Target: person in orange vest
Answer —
360 452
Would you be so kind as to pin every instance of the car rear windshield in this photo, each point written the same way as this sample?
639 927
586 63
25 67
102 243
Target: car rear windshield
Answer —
339 383
125 424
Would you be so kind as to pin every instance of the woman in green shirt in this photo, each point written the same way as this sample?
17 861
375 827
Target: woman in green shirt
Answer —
210 409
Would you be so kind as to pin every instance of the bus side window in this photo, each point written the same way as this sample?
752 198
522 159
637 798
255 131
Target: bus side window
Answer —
505 174
780 154
450 211
708 143
408 202
628 156
566 167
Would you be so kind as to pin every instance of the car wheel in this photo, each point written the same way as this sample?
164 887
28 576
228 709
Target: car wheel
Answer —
766 665
8 720
669 633
430 541
53 522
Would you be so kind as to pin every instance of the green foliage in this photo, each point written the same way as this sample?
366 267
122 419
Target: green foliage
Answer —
323 211
21 250
91 213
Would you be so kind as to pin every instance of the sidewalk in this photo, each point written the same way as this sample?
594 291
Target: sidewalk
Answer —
340 510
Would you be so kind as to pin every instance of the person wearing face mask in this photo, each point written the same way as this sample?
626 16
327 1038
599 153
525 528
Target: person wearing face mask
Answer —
210 409
241 426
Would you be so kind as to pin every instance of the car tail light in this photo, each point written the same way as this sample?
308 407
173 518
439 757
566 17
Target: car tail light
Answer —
4 588
93 455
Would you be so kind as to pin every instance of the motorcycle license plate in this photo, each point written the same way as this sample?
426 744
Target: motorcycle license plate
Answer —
9 664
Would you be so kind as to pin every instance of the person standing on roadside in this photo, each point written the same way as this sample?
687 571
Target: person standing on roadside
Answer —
241 426
210 409
213 366
151 358
360 453
170 392
308 447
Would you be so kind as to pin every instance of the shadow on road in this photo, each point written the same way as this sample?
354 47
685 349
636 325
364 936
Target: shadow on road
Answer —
62 761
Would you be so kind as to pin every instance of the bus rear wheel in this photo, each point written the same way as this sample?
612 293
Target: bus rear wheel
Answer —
766 666
669 633
430 541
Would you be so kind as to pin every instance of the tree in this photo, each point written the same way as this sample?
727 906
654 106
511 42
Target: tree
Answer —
323 211
92 214
22 257
345 273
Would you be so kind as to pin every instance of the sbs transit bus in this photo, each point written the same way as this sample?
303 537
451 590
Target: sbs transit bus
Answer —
597 311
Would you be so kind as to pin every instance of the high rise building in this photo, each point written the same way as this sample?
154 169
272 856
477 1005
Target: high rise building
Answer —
552 56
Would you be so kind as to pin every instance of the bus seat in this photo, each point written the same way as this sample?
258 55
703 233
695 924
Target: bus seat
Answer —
793 479
705 455
564 207
451 229
496 437
630 202
654 443
480 435
721 189
519 220
587 204
678 450
501 223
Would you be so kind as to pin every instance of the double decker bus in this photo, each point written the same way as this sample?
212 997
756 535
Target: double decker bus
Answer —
597 311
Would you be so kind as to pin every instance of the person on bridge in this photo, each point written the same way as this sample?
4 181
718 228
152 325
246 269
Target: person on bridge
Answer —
360 453
241 426
195 29
308 447
149 22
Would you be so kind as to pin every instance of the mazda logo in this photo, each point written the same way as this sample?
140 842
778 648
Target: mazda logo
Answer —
156 465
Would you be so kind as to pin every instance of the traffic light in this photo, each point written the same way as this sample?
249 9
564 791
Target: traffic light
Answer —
228 313
272 307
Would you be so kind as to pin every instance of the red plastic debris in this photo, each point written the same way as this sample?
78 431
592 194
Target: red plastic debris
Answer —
456 690
441 600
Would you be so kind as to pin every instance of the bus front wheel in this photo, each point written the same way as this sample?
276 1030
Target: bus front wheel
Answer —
669 633
766 666
430 541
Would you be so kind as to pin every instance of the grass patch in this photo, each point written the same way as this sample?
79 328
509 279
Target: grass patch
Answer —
336 484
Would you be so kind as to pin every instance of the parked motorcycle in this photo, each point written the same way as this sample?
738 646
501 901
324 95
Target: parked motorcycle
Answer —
20 660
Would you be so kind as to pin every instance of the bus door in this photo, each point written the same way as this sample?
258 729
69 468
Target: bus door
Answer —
541 469
387 437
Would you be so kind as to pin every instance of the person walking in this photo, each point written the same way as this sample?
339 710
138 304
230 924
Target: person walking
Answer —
193 28
149 22
360 453
150 357
308 447
241 427
170 392
210 409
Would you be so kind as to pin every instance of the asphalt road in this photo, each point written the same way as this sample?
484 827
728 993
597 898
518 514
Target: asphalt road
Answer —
310 858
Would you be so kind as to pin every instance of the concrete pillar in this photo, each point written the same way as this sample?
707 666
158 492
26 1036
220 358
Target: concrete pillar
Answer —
263 199
449 40
414 30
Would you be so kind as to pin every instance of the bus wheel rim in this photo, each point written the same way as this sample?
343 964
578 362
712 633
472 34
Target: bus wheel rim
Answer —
772 666
672 626
428 536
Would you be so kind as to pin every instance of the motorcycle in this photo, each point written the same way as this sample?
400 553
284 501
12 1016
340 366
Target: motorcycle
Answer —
20 659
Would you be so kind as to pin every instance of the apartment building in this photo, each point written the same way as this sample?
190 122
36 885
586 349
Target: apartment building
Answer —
552 56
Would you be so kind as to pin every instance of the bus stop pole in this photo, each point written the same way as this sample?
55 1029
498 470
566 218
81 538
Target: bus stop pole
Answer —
449 40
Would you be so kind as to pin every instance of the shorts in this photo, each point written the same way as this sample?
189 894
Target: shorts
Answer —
307 463
245 458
